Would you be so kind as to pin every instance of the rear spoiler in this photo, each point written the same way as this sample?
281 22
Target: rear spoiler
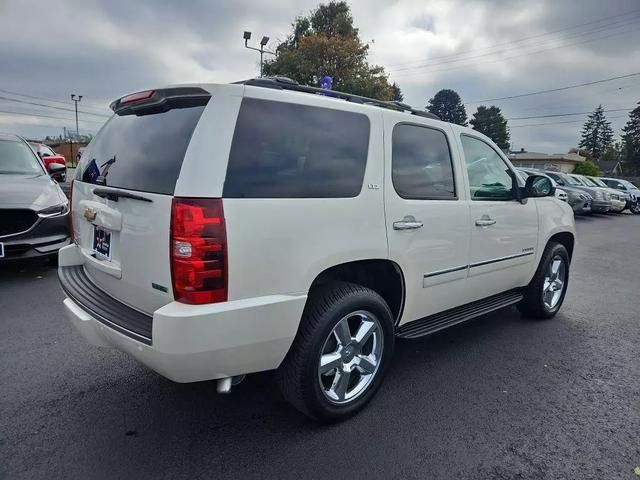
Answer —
158 101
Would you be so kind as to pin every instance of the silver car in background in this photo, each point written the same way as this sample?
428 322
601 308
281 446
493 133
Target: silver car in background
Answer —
633 204
617 198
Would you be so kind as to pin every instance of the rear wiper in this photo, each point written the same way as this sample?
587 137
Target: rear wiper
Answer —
115 195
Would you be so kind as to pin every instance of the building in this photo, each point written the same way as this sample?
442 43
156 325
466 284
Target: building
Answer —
610 167
559 162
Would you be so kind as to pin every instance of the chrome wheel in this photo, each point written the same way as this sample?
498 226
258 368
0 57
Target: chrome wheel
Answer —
554 282
350 357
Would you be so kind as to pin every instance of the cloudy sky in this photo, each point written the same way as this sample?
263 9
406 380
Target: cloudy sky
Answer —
485 49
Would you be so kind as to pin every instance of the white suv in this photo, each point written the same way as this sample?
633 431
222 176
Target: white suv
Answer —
221 230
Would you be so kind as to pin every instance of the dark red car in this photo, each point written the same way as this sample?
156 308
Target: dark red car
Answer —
48 156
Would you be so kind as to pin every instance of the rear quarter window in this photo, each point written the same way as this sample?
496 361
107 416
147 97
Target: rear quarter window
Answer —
282 150
142 153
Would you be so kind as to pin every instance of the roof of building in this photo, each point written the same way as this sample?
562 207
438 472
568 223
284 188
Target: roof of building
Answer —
608 165
546 157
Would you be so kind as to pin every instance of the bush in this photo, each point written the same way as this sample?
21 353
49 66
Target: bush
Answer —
587 168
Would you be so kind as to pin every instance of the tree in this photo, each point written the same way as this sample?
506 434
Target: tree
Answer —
492 123
596 133
631 141
397 93
587 168
447 105
327 43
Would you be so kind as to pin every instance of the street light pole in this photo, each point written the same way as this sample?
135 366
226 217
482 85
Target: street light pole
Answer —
76 99
263 43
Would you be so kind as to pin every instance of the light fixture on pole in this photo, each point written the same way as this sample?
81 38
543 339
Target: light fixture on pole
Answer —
263 43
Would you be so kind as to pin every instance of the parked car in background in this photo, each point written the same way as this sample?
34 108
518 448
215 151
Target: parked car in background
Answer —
600 203
618 199
320 228
33 210
48 156
581 201
633 203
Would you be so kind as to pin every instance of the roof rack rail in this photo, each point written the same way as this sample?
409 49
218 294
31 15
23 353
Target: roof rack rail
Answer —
285 83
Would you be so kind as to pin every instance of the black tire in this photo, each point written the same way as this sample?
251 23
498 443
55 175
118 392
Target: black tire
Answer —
635 208
298 376
533 305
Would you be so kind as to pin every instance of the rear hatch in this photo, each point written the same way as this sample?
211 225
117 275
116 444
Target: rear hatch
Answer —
123 191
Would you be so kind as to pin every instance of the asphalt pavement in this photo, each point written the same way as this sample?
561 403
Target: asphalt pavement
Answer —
496 398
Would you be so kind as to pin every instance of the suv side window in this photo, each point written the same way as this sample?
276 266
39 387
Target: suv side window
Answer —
421 166
489 177
287 150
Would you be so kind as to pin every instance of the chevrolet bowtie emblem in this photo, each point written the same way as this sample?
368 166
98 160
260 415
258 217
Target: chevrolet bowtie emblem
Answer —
90 214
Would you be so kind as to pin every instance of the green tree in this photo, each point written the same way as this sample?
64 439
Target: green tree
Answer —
397 93
447 105
596 133
492 123
587 168
327 43
631 141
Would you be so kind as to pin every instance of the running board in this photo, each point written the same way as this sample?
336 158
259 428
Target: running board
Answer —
456 315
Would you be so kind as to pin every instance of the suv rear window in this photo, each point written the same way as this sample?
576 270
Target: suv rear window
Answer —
143 153
290 150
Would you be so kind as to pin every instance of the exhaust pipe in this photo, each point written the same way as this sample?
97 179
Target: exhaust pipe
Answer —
224 384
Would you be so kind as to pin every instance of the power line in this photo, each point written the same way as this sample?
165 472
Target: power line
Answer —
621 23
47 116
558 89
604 19
39 98
51 106
554 115
520 55
558 123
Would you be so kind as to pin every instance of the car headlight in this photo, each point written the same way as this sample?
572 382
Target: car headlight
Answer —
598 195
606 196
56 210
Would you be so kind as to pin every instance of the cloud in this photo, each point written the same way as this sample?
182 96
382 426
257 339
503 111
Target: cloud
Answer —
104 49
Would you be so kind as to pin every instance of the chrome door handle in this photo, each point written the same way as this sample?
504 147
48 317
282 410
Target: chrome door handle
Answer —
409 222
485 221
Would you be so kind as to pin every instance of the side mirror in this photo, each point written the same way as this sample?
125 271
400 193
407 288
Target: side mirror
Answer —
620 186
539 186
57 171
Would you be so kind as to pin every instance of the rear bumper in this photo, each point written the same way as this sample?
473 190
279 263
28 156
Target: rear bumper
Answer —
45 238
191 343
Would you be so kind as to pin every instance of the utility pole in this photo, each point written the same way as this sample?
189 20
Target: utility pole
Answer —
76 99
263 43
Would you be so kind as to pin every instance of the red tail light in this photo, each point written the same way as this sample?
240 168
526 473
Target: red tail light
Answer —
198 250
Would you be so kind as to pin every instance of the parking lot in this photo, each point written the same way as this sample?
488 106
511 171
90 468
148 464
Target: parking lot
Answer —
500 397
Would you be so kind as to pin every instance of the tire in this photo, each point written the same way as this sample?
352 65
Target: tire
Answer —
328 309
535 304
635 208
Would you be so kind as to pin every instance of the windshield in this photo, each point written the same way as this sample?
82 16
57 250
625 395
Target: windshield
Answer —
588 182
570 180
598 182
577 181
17 158
628 184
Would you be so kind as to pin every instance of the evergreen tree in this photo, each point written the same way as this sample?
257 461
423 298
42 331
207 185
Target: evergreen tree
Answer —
447 105
631 141
492 123
397 93
596 133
